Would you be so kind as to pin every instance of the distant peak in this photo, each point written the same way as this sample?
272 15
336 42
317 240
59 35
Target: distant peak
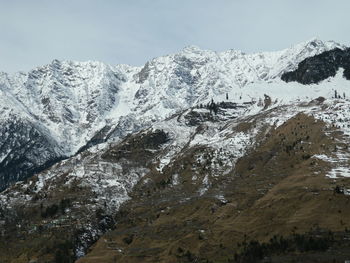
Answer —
314 40
56 62
313 43
317 43
192 49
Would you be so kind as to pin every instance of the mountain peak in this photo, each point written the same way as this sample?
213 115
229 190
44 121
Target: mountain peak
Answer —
56 63
192 49
316 43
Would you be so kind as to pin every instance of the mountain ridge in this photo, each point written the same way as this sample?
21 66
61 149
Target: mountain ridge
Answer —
79 104
193 156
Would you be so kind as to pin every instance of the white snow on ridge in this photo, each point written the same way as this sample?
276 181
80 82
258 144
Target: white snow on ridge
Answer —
74 100
288 99
337 116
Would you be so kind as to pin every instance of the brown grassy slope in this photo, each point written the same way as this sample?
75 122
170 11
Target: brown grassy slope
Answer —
31 234
277 188
40 237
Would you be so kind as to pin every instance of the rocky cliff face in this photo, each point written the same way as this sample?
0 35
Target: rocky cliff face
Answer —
320 67
52 111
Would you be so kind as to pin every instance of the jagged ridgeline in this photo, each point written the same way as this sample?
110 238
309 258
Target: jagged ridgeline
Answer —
60 109
196 157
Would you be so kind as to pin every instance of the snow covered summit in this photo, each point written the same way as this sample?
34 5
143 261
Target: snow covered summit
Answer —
55 110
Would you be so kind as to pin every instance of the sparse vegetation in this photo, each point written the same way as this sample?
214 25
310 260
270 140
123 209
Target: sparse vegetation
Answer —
276 186
254 251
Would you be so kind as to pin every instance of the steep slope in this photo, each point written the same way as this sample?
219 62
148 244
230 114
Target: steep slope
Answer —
196 184
87 189
317 68
200 207
64 102
194 76
76 105
25 146
68 98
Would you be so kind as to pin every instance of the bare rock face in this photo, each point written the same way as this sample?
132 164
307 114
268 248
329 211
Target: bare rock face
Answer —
320 67
143 74
26 149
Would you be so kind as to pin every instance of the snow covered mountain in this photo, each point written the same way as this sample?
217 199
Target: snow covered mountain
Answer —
196 146
56 110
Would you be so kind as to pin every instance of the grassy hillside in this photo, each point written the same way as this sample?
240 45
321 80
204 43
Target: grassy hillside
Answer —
277 190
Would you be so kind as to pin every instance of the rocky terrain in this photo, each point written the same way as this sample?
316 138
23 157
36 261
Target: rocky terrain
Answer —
65 107
322 66
200 157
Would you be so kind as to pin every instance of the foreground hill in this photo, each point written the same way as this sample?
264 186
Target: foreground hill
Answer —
265 177
192 187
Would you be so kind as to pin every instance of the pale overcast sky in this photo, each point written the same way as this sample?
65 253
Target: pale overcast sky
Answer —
34 32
